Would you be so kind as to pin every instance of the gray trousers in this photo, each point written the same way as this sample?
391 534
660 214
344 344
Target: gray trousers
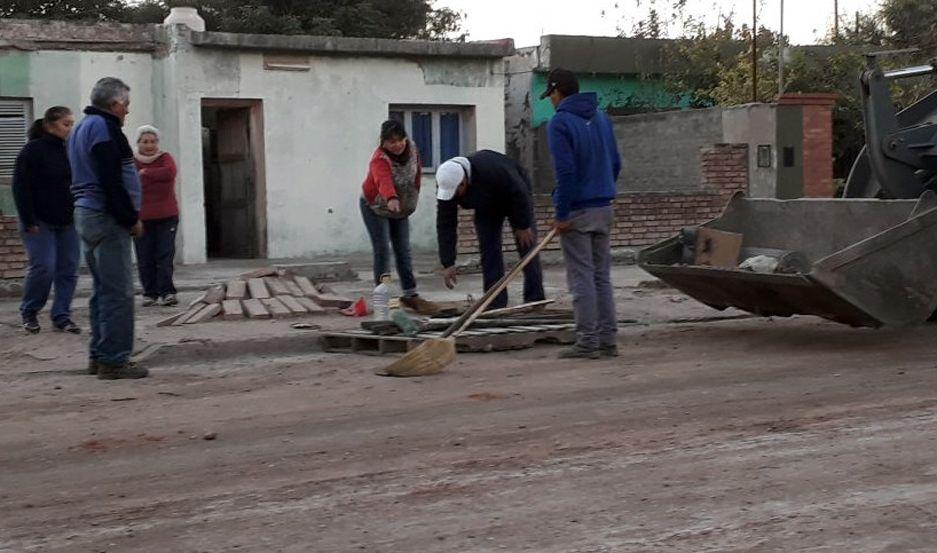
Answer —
588 256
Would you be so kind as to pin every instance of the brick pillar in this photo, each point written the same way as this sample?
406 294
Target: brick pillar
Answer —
12 252
817 141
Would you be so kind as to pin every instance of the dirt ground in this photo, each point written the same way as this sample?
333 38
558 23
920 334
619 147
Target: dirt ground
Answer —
720 436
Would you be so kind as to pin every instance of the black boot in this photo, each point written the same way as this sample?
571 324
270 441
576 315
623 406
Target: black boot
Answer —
128 370
31 323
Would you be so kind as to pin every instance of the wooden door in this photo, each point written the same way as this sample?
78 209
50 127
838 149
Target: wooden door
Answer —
237 194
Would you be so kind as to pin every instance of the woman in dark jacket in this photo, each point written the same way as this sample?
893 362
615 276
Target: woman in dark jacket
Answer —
389 195
41 190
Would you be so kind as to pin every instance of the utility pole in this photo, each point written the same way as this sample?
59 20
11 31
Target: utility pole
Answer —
754 50
836 19
781 54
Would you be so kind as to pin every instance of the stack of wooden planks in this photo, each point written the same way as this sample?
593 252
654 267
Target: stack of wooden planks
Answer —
262 294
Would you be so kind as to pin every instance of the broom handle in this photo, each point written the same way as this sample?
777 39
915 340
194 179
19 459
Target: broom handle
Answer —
473 312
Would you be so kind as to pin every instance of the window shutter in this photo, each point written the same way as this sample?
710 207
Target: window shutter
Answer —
423 136
450 135
14 122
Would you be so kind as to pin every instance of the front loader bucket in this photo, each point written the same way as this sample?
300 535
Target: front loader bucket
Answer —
868 262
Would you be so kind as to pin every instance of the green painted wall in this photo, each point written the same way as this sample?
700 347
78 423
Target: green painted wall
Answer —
14 74
7 207
617 91
14 83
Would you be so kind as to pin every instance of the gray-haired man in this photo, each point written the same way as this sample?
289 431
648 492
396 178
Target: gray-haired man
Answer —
107 193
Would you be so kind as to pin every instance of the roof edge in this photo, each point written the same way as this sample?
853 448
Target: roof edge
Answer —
36 34
352 46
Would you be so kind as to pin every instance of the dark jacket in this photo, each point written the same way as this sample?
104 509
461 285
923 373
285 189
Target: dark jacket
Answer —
499 187
585 155
41 182
104 177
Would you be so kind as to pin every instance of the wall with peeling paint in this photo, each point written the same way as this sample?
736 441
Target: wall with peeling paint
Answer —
321 127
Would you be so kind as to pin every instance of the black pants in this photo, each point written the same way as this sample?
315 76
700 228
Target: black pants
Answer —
155 252
488 228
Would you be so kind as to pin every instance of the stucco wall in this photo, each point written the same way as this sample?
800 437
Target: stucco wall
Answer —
65 78
518 97
755 125
321 128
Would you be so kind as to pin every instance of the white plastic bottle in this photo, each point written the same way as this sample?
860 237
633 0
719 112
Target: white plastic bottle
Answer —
380 300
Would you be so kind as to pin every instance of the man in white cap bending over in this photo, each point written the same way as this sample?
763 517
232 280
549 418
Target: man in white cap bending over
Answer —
496 187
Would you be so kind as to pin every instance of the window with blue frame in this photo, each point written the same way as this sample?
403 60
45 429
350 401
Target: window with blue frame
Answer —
438 132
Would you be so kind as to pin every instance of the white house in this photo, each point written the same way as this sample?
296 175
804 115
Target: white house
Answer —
272 133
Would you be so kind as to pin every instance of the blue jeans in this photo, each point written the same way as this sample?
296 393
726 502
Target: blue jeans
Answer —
588 255
155 252
489 230
53 259
107 253
396 232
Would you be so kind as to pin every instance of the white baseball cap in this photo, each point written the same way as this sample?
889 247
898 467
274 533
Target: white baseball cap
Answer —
449 175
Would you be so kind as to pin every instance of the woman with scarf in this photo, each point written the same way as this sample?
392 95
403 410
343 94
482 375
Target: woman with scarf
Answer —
389 195
41 189
159 212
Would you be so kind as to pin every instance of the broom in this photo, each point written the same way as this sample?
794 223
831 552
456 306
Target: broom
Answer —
434 354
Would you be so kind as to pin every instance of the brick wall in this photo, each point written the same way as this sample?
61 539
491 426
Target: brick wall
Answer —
12 253
817 141
818 152
642 218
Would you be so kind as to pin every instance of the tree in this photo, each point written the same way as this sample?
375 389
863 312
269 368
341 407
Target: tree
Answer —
696 62
102 10
357 18
712 66
911 24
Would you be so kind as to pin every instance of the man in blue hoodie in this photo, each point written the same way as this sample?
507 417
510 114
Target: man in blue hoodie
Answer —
586 163
107 193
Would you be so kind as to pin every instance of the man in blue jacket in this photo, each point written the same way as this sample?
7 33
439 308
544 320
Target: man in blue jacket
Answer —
107 193
586 163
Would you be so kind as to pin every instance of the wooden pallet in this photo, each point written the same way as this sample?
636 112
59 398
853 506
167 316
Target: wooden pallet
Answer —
489 339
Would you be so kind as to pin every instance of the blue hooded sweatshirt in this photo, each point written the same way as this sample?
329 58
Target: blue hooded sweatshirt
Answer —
585 155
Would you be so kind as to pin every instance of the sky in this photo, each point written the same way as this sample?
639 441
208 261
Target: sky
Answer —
805 21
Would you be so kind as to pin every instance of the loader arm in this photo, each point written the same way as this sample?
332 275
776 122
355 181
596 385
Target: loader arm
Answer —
900 156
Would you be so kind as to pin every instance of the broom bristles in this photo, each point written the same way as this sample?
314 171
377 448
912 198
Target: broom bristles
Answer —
430 357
